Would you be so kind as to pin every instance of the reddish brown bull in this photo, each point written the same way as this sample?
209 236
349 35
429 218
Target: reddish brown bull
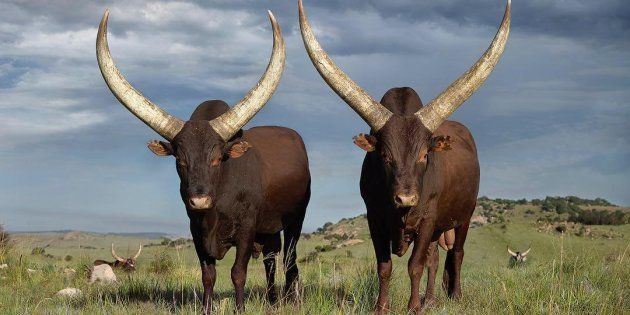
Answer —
126 264
240 187
420 176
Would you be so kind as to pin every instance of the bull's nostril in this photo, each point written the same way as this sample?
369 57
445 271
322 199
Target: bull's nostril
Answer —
199 202
404 200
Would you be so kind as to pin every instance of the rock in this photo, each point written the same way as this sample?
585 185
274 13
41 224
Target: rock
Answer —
349 243
4 266
31 271
478 220
69 293
102 273
69 272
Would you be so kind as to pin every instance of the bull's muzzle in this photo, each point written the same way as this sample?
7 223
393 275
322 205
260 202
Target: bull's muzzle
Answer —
406 200
200 202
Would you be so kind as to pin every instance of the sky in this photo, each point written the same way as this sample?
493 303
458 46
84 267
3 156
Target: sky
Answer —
552 119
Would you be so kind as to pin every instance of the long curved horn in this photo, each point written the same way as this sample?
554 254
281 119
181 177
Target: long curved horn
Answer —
116 256
229 123
439 109
511 252
162 122
375 114
526 252
138 253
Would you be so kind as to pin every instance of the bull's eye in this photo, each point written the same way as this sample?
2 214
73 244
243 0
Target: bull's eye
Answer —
423 158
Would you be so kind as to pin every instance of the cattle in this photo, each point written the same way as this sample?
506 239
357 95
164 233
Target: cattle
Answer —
420 175
126 264
240 188
517 258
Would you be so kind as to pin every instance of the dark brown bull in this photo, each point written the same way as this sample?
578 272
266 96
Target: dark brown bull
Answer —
420 177
240 188
126 264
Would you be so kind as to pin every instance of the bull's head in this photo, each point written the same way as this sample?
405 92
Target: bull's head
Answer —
200 147
517 257
405 144
127 264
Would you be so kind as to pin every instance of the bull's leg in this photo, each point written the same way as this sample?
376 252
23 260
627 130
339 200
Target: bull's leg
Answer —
433 260
382 248
453 265
208 277
291 237
270 250
416 265
292 232
239 269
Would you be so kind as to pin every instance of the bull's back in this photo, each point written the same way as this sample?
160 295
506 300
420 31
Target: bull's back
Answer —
459 172
285 177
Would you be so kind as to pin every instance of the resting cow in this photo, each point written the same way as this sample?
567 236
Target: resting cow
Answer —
420 176
240 187
126 264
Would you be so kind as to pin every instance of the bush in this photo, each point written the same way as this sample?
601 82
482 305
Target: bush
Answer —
67 258
310 257
162 263
5 243
323 249
38 251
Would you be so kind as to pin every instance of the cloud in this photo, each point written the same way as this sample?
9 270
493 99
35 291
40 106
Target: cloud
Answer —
551 119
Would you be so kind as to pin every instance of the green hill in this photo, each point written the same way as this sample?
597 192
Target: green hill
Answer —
572 268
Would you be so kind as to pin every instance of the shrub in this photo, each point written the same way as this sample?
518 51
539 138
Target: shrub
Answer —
162 263
67 258
38 251
310 257
5 243
323 249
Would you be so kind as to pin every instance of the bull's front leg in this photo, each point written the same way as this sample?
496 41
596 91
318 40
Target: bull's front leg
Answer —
208 277
433 257
381 242
417 262
239 269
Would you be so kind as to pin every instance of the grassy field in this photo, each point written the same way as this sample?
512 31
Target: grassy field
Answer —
565 274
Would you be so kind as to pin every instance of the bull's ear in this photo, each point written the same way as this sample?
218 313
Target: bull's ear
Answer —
365 142
237 149
440 143
160 148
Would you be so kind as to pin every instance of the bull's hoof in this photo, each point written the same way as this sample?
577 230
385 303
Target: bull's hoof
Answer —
455 295
272 297
292 292
428 300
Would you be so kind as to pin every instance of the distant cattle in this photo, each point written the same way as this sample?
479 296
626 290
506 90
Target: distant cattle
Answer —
420 175
517 258
102 273
126 264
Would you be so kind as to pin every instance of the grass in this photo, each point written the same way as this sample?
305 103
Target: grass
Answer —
564 275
